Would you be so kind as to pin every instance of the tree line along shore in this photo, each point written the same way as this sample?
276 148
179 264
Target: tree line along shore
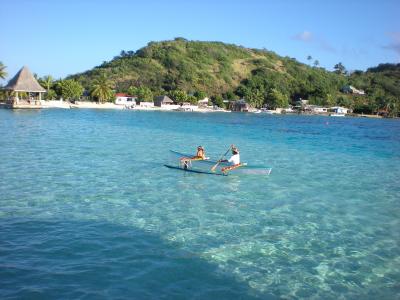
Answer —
188 71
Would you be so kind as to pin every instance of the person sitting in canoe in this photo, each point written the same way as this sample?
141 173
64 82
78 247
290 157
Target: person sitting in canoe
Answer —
200 155
234 160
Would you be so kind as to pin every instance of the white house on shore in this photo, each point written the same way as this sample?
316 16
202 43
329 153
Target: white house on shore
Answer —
339 110
125 99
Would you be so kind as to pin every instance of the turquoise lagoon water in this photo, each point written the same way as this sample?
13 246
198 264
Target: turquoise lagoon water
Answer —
88 211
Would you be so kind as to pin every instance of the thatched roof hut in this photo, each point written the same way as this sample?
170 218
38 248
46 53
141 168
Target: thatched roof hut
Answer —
162 100
24 81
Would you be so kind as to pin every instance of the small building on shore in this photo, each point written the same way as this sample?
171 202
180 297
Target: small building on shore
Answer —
163 100
239 105
302 102
125 99
203 102
339 110
26 92
315 109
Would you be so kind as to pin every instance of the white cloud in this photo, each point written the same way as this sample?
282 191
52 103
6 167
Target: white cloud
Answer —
305 36
309 37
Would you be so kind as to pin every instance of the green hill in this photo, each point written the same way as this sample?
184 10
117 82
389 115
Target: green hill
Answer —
382 87
229 71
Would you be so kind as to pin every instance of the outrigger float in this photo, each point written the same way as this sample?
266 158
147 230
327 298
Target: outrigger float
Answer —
205 166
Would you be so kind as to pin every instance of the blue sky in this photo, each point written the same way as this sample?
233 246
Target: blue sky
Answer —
66 37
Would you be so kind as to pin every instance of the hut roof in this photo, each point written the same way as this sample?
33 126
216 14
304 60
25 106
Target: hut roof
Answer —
24 81
164 99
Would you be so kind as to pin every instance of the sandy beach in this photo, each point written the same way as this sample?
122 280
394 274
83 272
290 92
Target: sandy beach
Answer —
109 105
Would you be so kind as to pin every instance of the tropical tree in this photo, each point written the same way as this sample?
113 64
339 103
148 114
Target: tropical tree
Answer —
192 99
218 101
230 95
3 73
47 81
132 90
144 94
200 95
345 101
51 95
276 99
255 97
316 63
309 58
339 68
393 107
102 89
178 95
70 89
329 100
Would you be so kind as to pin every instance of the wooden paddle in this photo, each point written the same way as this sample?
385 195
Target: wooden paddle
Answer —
219 161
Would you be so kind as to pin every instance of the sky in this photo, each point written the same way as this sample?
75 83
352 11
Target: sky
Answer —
59 38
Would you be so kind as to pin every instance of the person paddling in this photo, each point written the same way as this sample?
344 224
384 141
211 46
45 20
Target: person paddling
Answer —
234 160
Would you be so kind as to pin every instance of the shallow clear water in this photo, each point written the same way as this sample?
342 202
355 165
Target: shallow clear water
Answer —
87 209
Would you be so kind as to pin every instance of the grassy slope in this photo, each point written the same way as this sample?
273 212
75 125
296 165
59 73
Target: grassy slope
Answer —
213 67
216 67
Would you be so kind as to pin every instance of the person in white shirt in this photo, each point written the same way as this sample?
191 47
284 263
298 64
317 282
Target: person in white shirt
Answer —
234 160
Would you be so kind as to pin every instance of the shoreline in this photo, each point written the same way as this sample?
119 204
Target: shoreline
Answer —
45 104
109 105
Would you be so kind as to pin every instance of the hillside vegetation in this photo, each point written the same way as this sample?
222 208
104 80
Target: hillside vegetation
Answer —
262 77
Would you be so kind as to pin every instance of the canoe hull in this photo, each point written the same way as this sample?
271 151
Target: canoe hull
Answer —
194 170
204 166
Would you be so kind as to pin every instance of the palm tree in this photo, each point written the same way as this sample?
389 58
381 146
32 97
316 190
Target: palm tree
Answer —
391 107
3 73
316 63
339 68
48 82
102 89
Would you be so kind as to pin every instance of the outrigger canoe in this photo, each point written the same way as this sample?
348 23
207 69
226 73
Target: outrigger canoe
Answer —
204 166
